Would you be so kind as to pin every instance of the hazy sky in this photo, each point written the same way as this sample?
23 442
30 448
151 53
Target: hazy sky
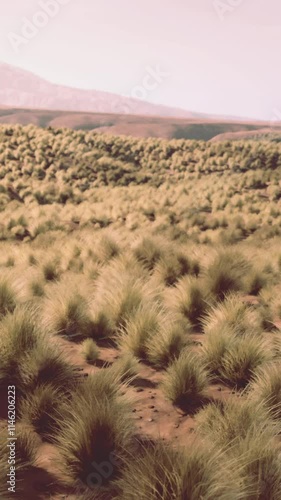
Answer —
218 56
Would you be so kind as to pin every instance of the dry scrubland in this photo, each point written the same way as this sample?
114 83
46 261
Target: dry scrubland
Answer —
140 303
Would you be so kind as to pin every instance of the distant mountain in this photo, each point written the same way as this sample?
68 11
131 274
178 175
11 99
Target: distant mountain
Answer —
23 89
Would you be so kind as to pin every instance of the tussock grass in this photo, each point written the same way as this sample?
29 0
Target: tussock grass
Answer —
20 334
51 270
256 282
233 358
190 300
149 251
238 418
138 331
40 409
266 387
46 364
174 266
37 288
120 290
8 297
90 351
185 380
67 313
260 461
125 368
96 431
226 273
161 473
166 344
108 248
231 316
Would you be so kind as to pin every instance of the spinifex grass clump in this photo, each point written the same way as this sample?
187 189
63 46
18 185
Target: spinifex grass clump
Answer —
232 315
51 270
174 266
40 409
108 248
97 432
190 300
20 335
67 313
233 358
167 343
46 364
266 388
234 346
90 351
227 423
186 380
119 292
226 274
8 297
249 436
161 473
149 251
139 329
125 368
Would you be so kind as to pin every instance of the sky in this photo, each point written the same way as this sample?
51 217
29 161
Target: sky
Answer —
211 56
